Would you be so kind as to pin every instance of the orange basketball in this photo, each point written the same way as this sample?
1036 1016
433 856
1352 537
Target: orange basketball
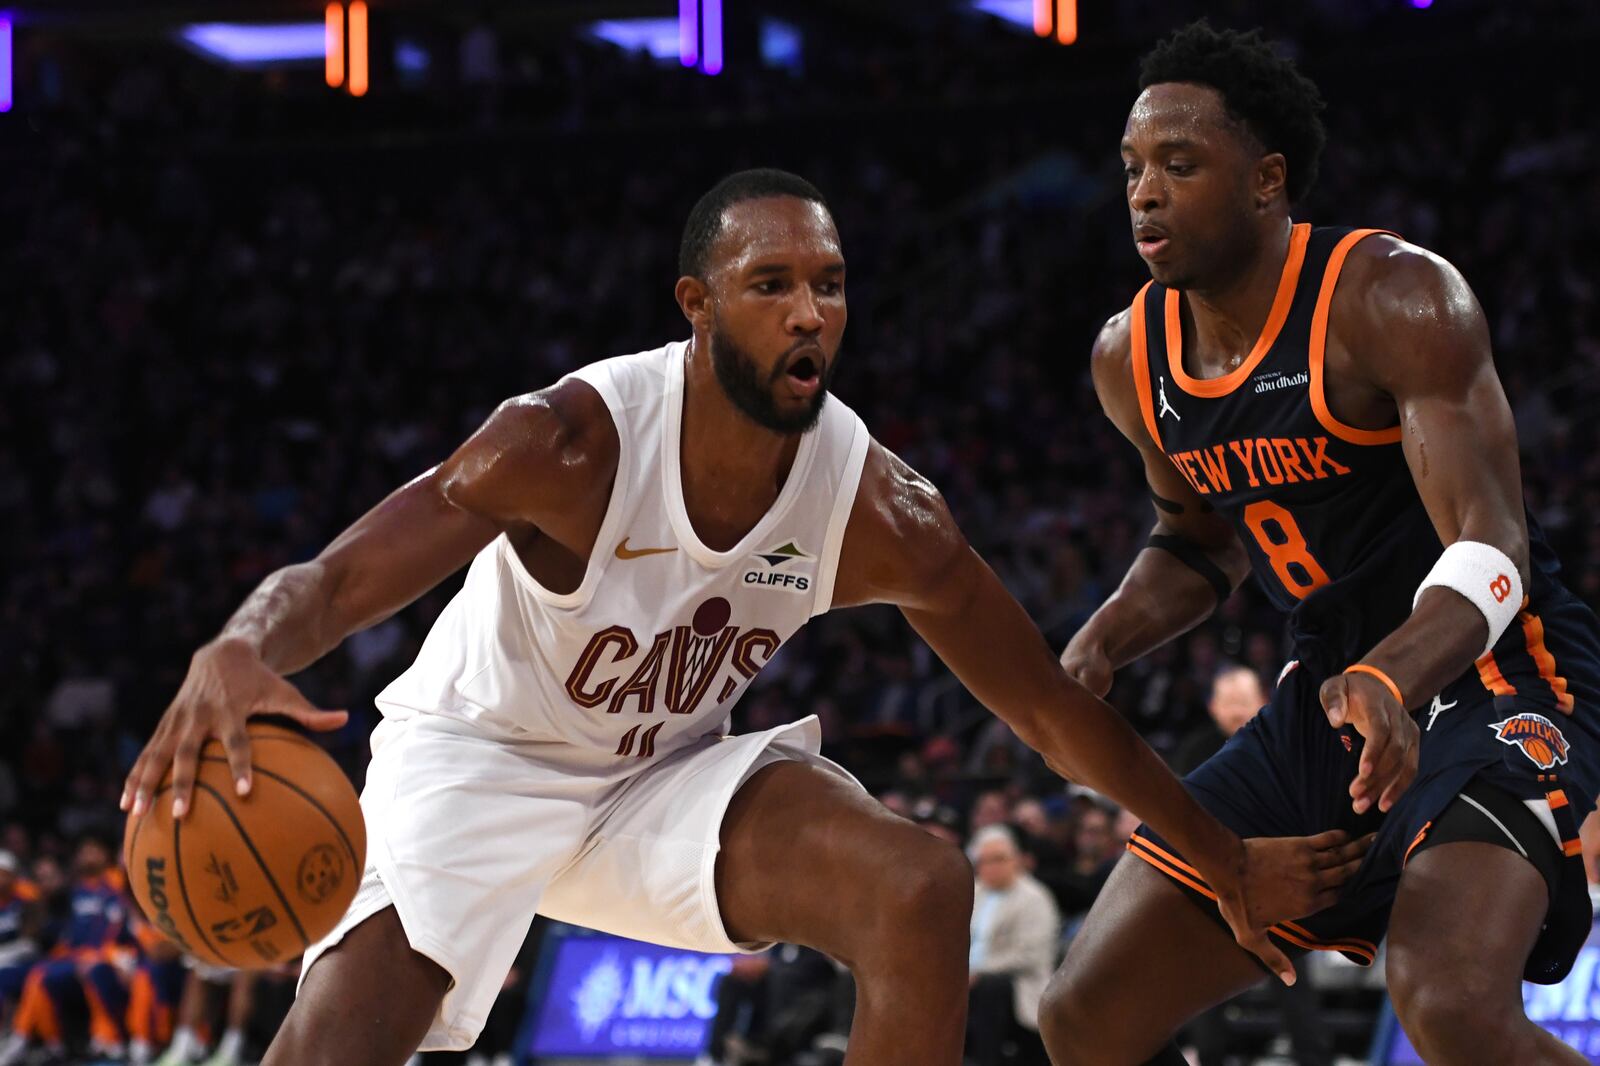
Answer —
1539 751
251 881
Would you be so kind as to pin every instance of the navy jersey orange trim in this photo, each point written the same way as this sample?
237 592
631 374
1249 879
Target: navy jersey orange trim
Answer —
1319 345
1282 300
1141 364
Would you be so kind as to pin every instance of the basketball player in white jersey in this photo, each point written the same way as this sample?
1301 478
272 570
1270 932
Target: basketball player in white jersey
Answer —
643 536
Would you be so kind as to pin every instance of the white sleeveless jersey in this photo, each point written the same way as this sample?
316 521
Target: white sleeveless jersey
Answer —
654 647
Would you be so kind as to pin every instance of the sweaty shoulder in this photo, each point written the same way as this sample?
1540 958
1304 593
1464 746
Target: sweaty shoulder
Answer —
1389 285
539 455
901 535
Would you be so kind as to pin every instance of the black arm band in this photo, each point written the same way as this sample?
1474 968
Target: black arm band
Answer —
1190 554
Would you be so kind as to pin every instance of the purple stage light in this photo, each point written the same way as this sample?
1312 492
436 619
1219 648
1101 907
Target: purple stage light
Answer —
1421 4
689 32
5 64
711 13
659 37
1018 13
246 45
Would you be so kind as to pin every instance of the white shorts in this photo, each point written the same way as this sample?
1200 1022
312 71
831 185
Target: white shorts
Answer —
469 836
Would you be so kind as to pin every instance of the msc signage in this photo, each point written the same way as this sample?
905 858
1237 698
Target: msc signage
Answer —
606 995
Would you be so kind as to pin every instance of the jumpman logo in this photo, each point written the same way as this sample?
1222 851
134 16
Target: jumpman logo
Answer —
1166 408
1439 707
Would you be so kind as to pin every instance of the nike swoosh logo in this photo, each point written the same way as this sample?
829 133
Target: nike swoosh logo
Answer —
625 552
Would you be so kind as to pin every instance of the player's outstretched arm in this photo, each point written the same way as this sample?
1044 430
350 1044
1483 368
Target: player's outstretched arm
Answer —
903 547
1193 561
532 465
1419 344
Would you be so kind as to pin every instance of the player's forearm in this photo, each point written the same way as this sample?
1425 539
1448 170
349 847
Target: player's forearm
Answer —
1443 638
287 620
1158 600
1446 633
1085 740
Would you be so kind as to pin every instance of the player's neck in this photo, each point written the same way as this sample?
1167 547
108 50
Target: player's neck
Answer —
1229 316
725 454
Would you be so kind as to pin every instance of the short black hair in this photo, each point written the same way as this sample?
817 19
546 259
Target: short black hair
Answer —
705 219
1260 88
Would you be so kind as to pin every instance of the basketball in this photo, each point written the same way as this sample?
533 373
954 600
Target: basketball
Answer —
251 881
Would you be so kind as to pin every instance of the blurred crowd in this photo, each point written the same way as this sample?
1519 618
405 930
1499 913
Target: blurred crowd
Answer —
237 319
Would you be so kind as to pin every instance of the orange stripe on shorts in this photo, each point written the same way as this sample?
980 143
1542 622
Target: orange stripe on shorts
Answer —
1533 635
1493 680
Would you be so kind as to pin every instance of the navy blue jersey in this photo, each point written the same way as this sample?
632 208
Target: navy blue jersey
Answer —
1339 538
1335 528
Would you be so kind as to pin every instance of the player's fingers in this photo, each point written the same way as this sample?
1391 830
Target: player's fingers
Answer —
149 770
1378 739
1330 878
1327 841
236 743
1397 787
291 702
1323 900
130 784
1334 695
1372 756
1386 769
1397 773
1276 961
184 758
1350 850
321 721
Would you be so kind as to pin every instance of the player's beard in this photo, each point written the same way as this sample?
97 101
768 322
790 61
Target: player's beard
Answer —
751 391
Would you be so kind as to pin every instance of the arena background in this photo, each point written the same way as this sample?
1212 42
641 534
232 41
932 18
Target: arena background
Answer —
241 303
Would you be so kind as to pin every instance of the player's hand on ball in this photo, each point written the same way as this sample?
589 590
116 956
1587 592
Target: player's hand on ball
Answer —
226 684
1086 664
1282 878
1393 742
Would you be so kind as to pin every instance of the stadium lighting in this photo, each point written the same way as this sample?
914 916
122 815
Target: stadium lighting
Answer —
333 36
5 64
711 25
245 45
1018 13
1042 18
1066 21
658 37
689 32
333 45
358 47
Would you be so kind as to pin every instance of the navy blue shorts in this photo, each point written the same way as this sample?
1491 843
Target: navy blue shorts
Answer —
1525 720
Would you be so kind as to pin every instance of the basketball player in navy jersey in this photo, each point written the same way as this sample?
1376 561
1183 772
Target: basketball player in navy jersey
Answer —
1319 407
522 764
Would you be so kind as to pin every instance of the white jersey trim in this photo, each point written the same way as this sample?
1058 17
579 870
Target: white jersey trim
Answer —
672 480
843 505
596 564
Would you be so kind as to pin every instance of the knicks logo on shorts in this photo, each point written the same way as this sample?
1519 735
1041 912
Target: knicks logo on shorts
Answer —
1536 735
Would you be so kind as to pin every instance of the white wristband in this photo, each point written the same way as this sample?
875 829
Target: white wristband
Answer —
1483 574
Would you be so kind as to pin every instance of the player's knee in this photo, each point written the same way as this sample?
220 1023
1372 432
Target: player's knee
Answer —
933 881
1066 1016
1454 1019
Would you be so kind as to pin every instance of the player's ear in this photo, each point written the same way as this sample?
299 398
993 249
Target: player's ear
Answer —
1272 175
694 298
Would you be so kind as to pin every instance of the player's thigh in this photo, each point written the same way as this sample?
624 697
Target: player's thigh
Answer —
368 1001
1146 960
1471 910
809 857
